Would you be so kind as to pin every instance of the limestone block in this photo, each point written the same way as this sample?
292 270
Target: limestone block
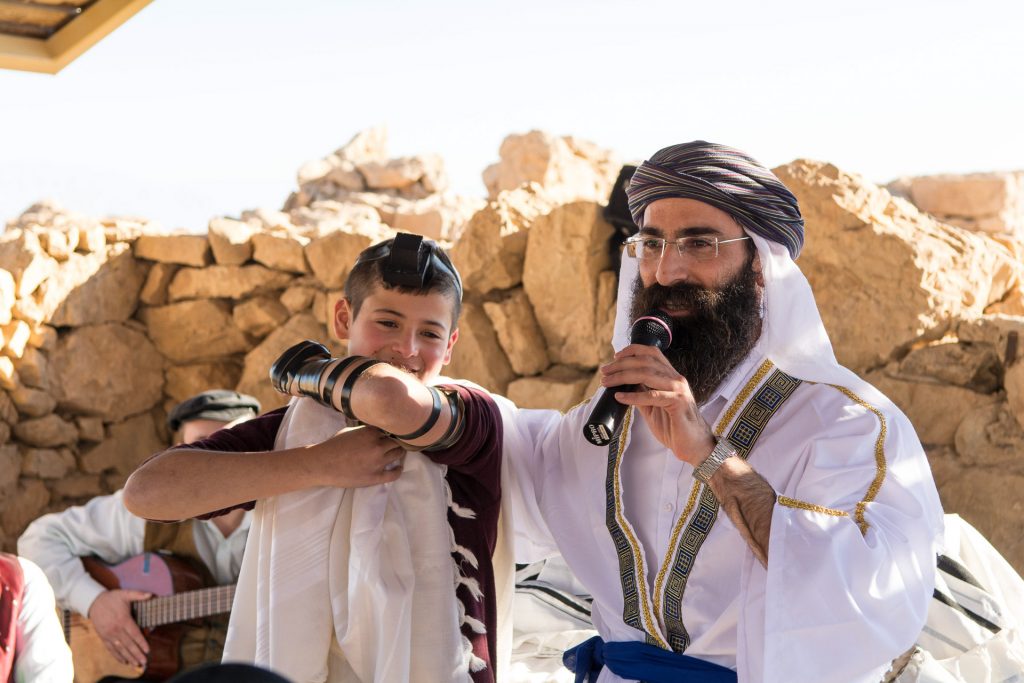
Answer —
255 376
990 500
5 432
127 230
326 216
999 331
28 309
95 288
935 410
1013 380
884 274
1011 304
346 175
991 202
33 402
191 331
972 366
332 256
22 505
313 170
34 369
186 250
258 316
16 335
478 356
43 337
269 220
224 282
569 168
154 291
23 256
7 296
298 298
8 375
323 308
91 238
128 443
78 486
366 145
185 381
607 293
230 240
401 173
59 244
280 251
47 432
490 252
10 468
518 333
557 390
990 436
8 410
90 428
565 254
47 463
109 370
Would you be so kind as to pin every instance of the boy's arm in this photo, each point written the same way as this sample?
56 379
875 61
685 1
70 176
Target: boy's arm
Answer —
185 482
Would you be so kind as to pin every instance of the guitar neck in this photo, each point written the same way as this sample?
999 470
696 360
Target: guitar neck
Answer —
183 606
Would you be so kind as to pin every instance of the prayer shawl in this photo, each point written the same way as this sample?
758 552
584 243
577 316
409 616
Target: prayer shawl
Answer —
345 585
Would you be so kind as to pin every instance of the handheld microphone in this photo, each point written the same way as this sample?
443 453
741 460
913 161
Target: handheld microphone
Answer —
653 329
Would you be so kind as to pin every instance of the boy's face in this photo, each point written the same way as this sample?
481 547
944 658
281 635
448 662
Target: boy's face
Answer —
412 332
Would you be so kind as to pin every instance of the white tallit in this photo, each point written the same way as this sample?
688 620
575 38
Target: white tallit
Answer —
345 585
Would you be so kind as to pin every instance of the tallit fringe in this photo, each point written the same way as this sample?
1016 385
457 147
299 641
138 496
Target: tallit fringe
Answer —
469 659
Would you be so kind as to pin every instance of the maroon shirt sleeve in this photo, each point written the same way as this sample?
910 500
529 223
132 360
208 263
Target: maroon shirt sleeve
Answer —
257 434
477 454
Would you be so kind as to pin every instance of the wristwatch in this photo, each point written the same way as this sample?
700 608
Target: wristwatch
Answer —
723 450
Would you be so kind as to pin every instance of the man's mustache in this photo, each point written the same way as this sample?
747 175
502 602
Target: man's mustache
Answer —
683 295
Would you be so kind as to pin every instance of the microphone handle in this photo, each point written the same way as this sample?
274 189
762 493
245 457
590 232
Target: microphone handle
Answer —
605 417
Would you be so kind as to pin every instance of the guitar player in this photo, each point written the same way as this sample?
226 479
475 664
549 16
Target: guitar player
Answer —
104 528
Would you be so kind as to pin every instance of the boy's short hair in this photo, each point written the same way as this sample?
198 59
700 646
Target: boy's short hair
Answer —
368 274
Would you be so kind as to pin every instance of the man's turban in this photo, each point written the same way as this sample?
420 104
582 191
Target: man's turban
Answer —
725 178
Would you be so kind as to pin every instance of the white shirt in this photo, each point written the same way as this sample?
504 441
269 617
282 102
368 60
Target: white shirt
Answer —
43 656
827 585
103 527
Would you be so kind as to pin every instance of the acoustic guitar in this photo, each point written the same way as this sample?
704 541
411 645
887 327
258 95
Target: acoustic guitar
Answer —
179 598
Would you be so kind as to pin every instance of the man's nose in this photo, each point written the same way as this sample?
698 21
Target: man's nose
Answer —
673 267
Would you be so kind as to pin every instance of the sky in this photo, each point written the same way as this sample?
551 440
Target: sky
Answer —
194 109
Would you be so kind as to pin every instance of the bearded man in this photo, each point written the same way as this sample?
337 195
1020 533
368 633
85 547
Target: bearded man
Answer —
821 567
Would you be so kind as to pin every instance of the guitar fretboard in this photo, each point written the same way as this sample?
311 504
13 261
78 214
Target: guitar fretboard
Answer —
183 606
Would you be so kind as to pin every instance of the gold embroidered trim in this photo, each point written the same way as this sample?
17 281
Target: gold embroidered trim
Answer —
794 503
641 573
876 483
742 397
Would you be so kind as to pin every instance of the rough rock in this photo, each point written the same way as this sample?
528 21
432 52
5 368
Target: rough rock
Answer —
191 331
269 221
566 252
366 145
560 389
43 337
22 505
59 244
10 468
964 364
331 257
885 275
33 402
258 316
298 298
478 356
1013 380
109 370
77 487
990 500
280 251
224 282
569 168
254 379
128 444
186 250
46 432
8 375
1003 333
47 463
400 173
185 381
991 202
90 428
8 410
990 436
91 238
154 292
230 241
23 256
8 296
15 336
34 369
518 333
490 253
94 288
936 410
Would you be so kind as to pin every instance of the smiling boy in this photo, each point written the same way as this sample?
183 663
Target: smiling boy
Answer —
344 583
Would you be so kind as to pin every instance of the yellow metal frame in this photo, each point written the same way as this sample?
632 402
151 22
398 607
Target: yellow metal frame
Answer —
66 45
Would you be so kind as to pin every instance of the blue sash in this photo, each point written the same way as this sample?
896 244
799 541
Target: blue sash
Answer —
640 661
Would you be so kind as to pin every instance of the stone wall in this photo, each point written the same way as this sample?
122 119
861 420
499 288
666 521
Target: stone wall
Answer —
106 323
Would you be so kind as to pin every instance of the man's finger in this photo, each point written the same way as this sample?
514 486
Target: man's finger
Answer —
133 652
134 635
650 397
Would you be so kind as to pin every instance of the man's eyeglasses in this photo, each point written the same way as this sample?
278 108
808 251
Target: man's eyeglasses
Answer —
645 247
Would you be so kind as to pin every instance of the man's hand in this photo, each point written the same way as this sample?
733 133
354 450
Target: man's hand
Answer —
111 616
360 456
663 398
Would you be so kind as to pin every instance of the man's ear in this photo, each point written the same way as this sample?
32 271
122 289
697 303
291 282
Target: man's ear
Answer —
452 338
755 265
342 319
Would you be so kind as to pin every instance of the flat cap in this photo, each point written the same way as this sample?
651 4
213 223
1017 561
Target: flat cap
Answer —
217 404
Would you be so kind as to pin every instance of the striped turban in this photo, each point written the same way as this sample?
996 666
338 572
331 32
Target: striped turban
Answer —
725 178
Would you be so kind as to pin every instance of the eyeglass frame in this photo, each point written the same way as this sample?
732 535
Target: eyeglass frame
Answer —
637 239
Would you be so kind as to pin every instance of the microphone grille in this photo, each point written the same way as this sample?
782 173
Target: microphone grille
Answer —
654 329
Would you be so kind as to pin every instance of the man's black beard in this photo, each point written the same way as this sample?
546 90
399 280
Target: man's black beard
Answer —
722 327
